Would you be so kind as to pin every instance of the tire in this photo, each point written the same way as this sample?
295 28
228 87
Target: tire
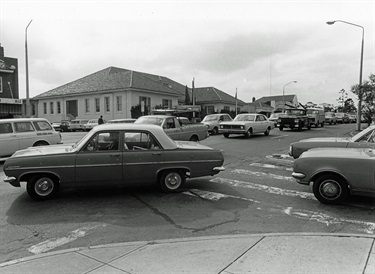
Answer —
226 135
248 133
214 131
299 127
194 138
281 128
331 189
267 132
308 126
40 143
42 187
172 180
322 124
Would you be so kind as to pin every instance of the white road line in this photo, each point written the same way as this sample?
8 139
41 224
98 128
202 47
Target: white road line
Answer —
268 189
280 136
214 196
53 243
271 166
264 175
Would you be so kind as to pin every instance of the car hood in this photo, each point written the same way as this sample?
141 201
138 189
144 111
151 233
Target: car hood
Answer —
191 145
210 122
242 123
43 150
326 139
343 153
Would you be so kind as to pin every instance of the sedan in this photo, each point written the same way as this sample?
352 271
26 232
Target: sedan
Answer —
337 173
111 155
247 125
365 138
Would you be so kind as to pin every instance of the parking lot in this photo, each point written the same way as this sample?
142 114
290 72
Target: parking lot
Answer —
255 194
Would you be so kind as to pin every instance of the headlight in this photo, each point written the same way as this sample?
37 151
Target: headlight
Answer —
221 126
242 127
296 121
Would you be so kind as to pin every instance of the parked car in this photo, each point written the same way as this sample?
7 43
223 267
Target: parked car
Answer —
213 121
294 118
91 124
176 130
274 117
112 155
125 120
337 173
77 125
56 126
365 138
65 126
342 117
316 116
21 133
330 118
352 118
247 125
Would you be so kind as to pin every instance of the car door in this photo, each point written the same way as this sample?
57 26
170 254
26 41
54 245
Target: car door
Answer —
258 124
142 158
8 139
25 133
173 130
99 163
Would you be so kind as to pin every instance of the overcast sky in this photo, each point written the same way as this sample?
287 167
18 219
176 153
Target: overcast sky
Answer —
254 46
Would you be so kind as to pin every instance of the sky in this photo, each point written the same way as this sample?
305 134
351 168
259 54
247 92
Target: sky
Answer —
255 47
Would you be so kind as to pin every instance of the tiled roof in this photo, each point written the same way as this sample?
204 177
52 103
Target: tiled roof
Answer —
214 95
113 78
276 98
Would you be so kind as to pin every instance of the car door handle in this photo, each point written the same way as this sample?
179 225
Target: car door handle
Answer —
156 153
114 154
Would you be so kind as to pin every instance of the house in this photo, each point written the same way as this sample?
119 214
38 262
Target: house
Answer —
270 104
10 104
213 100
111 92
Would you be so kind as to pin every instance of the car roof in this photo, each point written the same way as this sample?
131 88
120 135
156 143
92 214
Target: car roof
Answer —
22 119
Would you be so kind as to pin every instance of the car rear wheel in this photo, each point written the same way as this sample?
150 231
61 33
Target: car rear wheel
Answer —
281 128
267 132
172 180
226 135
40 143
214 131
194 138
331 189
42 187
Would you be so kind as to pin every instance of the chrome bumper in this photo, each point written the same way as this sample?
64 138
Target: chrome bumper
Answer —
219 168
12 181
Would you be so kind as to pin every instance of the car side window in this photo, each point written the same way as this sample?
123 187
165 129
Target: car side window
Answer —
23 127
42 125
5 128
104 141
169 123
140 141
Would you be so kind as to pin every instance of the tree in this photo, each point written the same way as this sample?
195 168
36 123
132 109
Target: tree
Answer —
367 95
349 106
187 96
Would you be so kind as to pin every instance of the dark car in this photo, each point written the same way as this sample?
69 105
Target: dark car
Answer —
111 155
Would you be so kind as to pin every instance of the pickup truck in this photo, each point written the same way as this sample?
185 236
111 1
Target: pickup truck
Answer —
175 129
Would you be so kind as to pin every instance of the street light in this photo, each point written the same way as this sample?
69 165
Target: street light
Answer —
27 76
284 93
359 114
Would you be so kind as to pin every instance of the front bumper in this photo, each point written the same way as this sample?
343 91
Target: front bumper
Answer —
13 181
232 131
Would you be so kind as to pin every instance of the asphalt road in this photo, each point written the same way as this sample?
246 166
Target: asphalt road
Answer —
255 194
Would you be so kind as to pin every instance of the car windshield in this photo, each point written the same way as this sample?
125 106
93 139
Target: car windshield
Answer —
295 112
366 135
210 118
150 120
245 118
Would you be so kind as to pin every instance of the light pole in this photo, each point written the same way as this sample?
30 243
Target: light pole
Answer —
27 75
359 114
284 93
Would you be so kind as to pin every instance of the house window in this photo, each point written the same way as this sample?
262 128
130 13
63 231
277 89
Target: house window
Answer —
227 108
210 109
119 103
45 108
97 104
33 110
146 102
1 84
51 107
107 106
58 107
87 105
167 103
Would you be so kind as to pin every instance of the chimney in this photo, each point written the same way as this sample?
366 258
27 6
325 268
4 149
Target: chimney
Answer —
1 52
253 99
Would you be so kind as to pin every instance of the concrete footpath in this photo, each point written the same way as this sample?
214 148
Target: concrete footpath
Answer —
260 253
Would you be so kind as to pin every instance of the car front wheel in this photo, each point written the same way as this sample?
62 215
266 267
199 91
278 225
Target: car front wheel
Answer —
330 189
42 187
248 133
172 180
267 132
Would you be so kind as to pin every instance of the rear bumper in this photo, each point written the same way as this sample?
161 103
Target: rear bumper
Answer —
218 169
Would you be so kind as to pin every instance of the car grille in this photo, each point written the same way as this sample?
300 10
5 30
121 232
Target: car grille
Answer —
287 120
231 127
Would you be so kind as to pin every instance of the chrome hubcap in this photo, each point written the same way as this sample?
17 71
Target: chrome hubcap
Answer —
330 189
173 181
44 186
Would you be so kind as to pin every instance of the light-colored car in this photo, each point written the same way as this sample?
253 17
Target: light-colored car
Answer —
21 133
274 117
112 155
247 124
175 129
337 173
330 118
77 124
342 117
352 118
363 139
90 124
213 121
125 120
